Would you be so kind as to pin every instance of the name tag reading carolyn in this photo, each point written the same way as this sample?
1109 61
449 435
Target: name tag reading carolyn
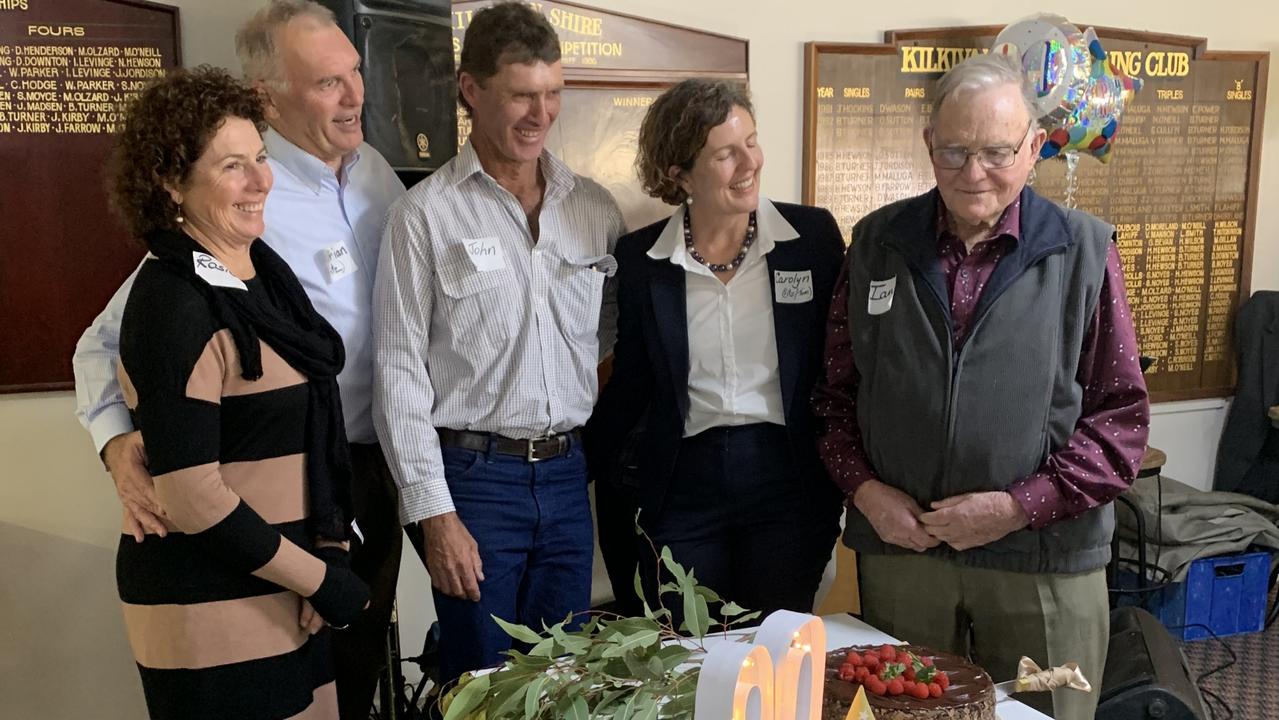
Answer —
215 273
485 253
881 296
338 261
793 286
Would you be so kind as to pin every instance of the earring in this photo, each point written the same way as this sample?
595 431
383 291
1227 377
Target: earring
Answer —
688 200
180 219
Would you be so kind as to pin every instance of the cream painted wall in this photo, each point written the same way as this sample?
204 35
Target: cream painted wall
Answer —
62 647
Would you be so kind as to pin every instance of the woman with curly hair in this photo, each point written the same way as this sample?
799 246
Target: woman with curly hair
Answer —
230 375
721 320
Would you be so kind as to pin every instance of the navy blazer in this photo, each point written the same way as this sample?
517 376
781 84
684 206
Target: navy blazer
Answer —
634 434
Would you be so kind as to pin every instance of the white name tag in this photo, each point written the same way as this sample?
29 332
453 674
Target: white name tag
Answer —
485 253
881 296
339 261
793 286
214 272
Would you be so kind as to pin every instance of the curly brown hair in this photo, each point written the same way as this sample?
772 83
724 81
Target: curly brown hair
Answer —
675 129
164 133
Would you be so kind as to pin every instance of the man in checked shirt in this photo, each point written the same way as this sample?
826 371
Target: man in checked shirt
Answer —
983 402
488 328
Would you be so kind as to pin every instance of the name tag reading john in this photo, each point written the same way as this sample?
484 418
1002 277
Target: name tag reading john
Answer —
793 286
881 296
215 273
338 261
485 253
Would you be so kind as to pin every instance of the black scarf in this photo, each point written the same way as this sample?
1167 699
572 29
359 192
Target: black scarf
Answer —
283 317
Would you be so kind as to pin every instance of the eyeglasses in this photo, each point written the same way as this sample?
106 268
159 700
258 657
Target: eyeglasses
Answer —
995 157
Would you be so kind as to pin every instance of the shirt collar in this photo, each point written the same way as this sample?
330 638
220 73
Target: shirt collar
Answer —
309 169
770 229
560 179
1008 225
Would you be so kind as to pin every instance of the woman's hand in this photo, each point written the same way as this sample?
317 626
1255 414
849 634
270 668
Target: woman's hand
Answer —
309 619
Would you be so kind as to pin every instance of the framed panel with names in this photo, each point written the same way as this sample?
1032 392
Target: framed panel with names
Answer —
67 67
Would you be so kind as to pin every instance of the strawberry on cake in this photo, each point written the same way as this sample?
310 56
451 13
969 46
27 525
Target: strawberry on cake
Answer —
907 682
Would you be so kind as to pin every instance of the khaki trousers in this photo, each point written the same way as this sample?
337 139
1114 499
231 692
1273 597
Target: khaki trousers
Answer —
994 617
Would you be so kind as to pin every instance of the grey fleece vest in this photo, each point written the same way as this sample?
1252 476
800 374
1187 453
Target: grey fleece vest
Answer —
937 421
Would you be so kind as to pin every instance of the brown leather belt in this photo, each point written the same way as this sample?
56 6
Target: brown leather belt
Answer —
532 449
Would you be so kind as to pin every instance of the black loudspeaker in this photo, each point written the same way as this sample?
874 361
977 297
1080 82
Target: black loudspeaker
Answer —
410 85
1146 675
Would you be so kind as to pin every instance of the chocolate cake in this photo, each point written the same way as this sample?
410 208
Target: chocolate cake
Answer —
969 695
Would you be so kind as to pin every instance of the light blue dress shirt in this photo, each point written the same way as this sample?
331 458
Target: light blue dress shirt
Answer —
310 215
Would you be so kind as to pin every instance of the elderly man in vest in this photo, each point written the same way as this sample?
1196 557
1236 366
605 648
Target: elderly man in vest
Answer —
983 403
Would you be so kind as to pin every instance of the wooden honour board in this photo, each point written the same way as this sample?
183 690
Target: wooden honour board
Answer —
1181 187
66 69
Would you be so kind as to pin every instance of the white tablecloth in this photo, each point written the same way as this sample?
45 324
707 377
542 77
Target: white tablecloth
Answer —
844 630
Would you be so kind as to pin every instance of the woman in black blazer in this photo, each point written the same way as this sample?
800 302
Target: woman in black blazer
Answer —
705 423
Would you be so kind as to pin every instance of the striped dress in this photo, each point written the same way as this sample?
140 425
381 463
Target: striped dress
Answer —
212 609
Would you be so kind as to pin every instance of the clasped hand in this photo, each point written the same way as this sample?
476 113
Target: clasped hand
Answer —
962 521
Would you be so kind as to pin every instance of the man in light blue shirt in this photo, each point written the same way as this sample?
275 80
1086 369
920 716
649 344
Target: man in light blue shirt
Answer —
324 216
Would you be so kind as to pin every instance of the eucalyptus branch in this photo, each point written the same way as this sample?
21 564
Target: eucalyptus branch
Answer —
610 665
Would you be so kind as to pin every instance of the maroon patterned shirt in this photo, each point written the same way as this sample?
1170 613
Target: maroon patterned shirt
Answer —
1099 461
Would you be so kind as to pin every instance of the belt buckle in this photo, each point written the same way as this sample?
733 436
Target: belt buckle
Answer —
528 449
528 452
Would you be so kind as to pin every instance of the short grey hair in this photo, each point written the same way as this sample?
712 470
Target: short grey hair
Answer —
980 72
255 40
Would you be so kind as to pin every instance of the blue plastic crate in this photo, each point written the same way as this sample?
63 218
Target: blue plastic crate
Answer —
1226 593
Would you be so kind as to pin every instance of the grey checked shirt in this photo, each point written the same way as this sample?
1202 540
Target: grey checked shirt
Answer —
476 327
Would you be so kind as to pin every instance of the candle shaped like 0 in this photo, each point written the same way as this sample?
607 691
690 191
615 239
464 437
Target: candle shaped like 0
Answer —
736 682
797 644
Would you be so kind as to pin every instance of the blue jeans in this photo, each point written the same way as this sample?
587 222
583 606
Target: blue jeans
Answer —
532 522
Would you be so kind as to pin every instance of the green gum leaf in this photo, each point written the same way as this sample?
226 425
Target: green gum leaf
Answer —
468 698
519 632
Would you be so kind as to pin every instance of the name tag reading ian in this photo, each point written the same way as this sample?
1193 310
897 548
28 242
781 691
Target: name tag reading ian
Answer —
339 262
881 296
793 286
215 273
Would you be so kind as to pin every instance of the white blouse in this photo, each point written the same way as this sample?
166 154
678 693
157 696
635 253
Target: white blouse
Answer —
732 346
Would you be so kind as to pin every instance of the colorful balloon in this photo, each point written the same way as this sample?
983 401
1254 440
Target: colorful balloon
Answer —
1078 93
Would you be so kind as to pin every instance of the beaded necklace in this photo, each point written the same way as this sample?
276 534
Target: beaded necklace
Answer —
720 267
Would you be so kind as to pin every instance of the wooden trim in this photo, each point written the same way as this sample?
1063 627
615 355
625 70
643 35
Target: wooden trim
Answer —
900 37
612 83
1196 45
1162 396
36 388
840 48
664 78
808 166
